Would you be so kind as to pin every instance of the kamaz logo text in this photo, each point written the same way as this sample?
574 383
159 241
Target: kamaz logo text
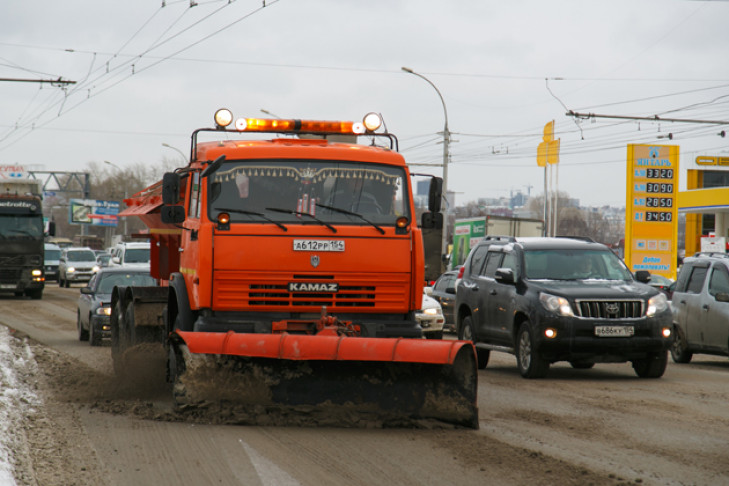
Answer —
313 287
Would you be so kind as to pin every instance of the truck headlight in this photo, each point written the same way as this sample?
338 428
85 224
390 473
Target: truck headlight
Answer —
558 305
431 312
657 303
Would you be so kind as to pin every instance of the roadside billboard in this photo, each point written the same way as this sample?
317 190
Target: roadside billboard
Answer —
93 212
651 211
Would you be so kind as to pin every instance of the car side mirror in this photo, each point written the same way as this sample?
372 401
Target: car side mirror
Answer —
643 276
450 290
505 276
722 297
87 290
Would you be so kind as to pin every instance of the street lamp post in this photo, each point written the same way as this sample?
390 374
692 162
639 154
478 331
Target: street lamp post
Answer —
184 157
125 191
446 157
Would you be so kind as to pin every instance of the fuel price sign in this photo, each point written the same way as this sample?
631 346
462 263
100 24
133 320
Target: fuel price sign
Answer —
651 219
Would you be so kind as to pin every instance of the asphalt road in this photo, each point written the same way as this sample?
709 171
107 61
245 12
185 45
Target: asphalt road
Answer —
598 426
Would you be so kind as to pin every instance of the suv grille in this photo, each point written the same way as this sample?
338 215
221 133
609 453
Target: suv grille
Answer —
609 309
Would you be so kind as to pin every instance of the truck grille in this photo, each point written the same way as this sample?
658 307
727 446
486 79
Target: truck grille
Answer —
238 290
609 309
348 296
10 275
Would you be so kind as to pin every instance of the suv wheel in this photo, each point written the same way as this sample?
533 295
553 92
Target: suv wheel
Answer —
83 335
531 364
465 333
653 366
679 347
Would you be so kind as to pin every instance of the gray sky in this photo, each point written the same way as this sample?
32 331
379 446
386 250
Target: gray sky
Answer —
149 72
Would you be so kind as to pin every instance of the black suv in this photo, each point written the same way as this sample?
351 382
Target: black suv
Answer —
561 299
701 307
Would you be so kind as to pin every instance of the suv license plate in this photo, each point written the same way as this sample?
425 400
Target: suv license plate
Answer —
614 331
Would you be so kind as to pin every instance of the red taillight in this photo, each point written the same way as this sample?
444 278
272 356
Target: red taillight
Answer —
460 272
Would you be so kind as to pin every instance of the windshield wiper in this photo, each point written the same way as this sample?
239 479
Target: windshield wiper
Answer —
299 213
253 213
350 213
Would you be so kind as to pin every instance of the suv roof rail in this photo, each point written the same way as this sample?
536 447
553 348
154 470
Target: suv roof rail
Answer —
500 238
582 238
714 254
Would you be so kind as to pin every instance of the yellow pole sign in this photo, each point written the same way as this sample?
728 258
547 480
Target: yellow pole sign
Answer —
651 212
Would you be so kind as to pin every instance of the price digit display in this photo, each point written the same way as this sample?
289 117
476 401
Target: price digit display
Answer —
659 202
659 173
655 187
659 216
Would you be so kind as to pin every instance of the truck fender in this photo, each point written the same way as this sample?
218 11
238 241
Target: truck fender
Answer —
178 305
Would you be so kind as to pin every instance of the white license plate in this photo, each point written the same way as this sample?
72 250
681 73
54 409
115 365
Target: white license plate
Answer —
318 245
7 286
614 331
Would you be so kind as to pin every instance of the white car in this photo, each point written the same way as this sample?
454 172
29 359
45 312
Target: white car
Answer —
430 318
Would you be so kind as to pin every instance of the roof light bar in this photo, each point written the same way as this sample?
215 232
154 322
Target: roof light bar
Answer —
224 118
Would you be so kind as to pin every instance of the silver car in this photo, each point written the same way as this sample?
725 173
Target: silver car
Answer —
701 308
76 265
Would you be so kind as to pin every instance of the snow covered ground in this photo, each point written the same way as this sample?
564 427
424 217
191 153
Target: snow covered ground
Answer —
17 399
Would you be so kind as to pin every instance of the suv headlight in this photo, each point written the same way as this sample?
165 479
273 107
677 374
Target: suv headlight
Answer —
657 303
558 305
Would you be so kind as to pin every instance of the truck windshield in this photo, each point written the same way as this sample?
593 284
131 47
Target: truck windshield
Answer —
14 226
574 265
253 191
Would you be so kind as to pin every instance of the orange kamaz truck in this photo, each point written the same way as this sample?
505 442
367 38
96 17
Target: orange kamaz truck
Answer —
291 264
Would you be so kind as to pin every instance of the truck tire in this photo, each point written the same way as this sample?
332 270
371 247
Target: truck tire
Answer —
530 362
653 366
34 294
465 333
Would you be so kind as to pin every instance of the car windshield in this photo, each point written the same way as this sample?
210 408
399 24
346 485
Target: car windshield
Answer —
110 280
136 255
81 256
304 191
53 255
15 226
562 264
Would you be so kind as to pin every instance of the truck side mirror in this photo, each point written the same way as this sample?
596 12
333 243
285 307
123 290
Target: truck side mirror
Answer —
170 188
643 276
51 228
172 214
435 194
431 220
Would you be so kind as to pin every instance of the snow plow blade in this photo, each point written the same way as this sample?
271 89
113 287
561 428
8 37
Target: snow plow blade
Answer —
396 380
